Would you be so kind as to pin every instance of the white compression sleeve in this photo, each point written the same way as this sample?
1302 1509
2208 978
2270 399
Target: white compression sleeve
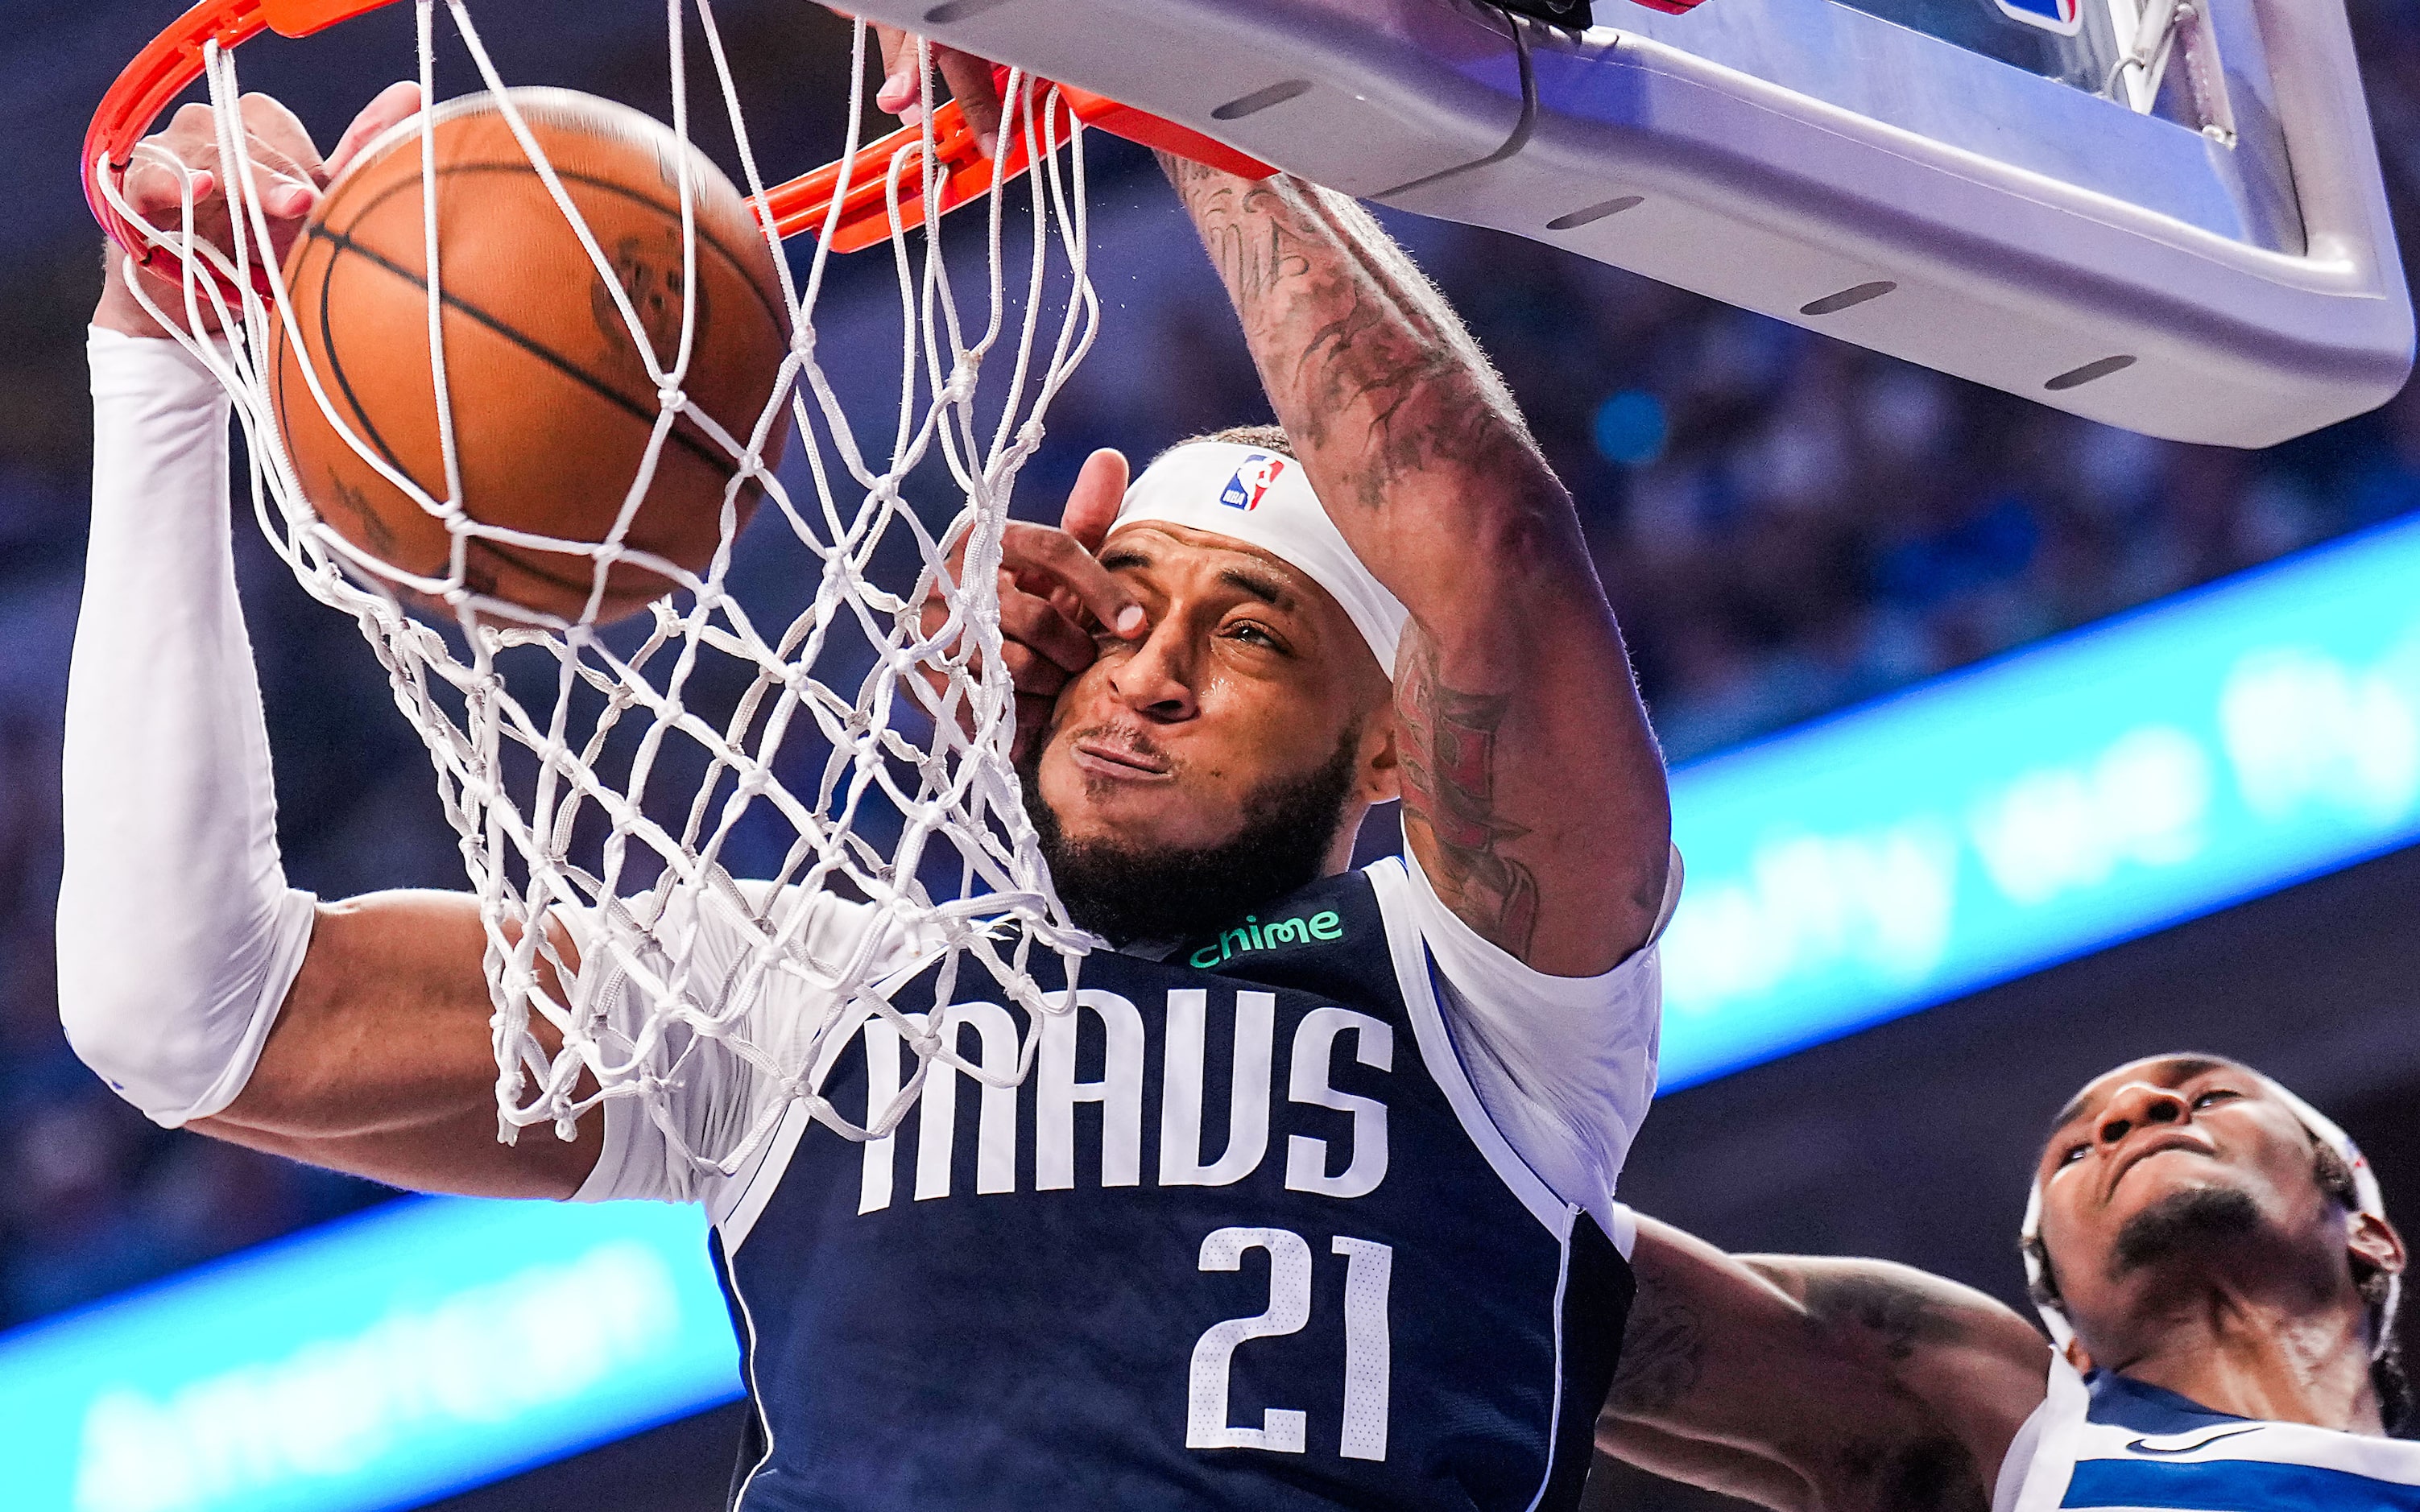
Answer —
177 936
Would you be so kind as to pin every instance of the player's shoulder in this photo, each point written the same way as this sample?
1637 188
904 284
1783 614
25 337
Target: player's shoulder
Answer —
720 925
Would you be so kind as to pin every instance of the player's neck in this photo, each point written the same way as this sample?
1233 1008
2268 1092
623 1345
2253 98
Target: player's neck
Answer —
2253 1357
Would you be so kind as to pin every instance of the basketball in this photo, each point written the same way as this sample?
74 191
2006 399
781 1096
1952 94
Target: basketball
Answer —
550 400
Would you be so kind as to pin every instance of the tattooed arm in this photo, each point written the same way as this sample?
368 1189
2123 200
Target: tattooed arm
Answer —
1799 1382
1534 796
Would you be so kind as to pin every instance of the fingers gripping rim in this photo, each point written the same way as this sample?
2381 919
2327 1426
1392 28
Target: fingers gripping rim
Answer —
175 58
162 71
963 173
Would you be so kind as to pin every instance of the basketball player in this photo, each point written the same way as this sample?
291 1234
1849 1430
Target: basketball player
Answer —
2212 1256
1307 1201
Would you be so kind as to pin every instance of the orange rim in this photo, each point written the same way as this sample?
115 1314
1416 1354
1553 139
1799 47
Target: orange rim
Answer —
173 60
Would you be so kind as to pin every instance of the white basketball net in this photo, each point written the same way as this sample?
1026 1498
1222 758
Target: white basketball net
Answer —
521 780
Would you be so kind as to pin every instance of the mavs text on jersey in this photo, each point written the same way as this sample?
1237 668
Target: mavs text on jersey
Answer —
1315 1211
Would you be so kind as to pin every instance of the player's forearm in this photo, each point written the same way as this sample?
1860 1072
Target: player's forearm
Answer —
1729 1469
1403 427
1534 796
176 931
1827 1382
380 1062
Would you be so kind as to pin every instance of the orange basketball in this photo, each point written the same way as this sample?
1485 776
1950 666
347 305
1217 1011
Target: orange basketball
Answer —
552 403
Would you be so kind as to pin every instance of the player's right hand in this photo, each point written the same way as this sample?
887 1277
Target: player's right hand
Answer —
184 158
1055 597
968 78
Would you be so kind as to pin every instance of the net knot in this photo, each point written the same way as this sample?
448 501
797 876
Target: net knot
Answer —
803 730
961 386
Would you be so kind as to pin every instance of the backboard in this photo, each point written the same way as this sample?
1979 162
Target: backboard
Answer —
2163 217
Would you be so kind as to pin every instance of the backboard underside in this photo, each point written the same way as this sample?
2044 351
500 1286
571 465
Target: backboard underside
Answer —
1826 167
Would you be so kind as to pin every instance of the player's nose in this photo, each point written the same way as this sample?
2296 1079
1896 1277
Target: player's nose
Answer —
1155 680
2136 1104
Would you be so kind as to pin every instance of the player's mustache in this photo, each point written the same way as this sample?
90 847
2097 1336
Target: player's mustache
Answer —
1128 739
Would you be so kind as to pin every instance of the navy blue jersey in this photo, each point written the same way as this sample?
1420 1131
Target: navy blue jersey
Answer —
1243 1238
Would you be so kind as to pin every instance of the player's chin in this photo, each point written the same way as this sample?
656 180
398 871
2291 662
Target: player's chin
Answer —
1162 816
2183 1197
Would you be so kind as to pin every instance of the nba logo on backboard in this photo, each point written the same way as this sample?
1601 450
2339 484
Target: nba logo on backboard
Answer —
1258 474
2061 16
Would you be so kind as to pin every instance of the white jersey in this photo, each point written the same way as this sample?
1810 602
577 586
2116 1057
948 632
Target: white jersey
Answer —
1563 1066
2122 1446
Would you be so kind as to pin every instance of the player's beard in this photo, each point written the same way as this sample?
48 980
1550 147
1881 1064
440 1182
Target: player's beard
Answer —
1132 895
2182 1222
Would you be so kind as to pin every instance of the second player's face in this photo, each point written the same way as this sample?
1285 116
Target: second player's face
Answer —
1250 674
2167 1161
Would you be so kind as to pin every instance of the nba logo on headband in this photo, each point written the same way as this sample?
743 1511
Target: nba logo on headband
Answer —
2064 17
1258 474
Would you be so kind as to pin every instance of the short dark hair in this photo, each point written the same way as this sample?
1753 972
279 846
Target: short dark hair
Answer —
1260 437
2398 1405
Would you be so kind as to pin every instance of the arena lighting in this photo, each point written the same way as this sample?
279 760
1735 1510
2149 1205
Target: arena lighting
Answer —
2210 749
378 1362
2214 746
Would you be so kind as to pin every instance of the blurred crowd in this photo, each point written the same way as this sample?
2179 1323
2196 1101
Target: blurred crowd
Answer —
1786 525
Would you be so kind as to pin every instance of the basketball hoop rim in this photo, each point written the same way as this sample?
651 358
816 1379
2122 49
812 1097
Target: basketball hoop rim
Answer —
171 61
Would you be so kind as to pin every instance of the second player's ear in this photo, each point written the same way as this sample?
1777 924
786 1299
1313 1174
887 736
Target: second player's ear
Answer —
2375 1240
1093 503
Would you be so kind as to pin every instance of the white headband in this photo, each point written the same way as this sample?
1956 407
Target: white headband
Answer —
1263 498
2366 1198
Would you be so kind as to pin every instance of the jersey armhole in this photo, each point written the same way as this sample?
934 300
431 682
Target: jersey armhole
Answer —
1410 956
2041 1458
605 1180
735 1202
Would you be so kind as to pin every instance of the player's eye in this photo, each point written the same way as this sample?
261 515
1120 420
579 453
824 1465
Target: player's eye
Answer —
2215 1095
1252 632
2072 1154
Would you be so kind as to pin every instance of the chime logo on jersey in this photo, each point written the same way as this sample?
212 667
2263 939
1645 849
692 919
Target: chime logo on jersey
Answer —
1258 474
2064 17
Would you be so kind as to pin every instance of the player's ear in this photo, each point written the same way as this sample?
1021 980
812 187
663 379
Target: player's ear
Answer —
1381 765
2078 1356
2374 1240
1093 503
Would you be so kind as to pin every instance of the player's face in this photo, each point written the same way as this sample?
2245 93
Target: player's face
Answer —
2172 1165
1251 676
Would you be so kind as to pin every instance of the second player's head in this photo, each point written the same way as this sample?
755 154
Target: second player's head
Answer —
2181 1177
1227 756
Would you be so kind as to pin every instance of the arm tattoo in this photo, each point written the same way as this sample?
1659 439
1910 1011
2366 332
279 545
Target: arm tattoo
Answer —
1663 1343
1899 1318
1355 334
1926 1472
1449 754
1924 1467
